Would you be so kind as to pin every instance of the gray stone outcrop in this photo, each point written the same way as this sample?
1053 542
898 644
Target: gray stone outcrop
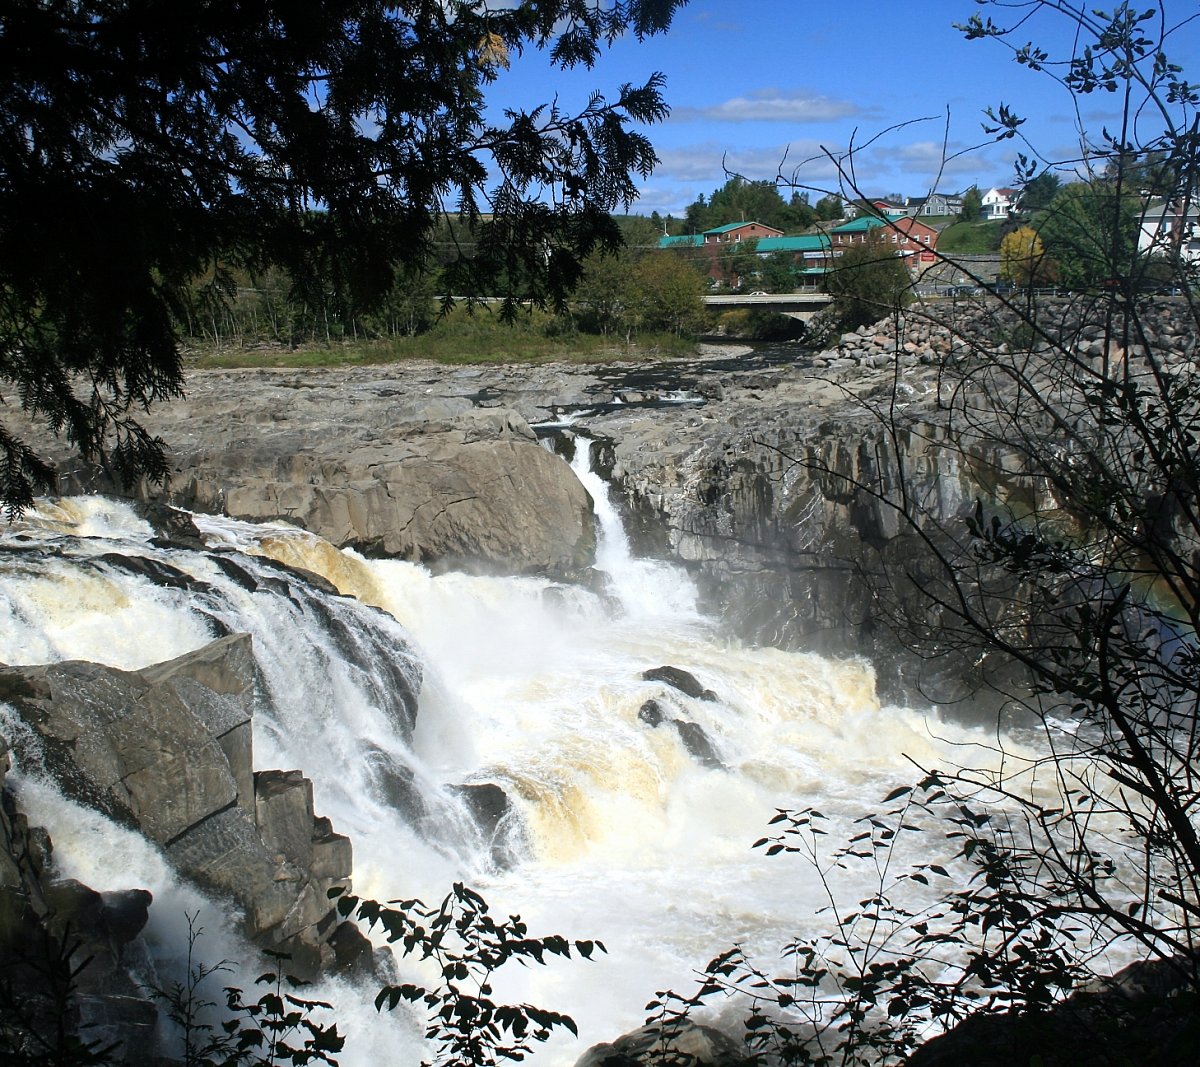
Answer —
410 468
682 1041
167 750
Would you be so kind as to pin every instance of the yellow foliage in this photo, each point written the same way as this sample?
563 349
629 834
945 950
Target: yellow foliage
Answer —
493 52
1023 258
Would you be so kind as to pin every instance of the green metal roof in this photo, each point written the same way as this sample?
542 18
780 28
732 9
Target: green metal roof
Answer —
808 242
860 225
687 240
733 226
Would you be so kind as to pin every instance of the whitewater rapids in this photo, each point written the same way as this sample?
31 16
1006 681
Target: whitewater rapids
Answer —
620 833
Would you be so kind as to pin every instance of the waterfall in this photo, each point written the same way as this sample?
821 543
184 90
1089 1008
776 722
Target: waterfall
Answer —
645 588
633 833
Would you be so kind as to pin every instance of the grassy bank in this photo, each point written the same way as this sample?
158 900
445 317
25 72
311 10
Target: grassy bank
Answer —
460 338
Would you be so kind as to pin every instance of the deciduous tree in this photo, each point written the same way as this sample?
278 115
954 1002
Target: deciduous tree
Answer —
664 292
1090 229
1023 259
868 282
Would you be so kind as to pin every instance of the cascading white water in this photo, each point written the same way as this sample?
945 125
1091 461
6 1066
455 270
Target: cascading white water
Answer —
625 835
644 587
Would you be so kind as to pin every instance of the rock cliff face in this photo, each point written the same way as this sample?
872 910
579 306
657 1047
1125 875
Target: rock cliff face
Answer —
408 468
50 927
760 502
167 751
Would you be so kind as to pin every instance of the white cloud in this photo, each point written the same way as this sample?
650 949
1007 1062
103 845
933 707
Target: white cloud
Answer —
770 105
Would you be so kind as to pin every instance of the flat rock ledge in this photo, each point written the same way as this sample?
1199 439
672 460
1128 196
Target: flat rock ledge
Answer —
403 464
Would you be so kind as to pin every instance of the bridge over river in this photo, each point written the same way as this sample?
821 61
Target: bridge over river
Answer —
795 305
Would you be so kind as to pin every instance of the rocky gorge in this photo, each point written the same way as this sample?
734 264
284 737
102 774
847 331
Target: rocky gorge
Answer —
751 467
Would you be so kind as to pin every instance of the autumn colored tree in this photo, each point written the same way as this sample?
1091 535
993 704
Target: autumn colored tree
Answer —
1023 259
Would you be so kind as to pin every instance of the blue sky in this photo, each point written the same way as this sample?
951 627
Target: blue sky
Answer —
760 83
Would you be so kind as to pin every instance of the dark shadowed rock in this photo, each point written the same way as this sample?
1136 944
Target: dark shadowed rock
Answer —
683 1042
697 742
651 713
1146 1014
394 785
62 934
680 679
492 811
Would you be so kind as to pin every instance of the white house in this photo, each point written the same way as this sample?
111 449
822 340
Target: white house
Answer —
1165 227
998 204
934 204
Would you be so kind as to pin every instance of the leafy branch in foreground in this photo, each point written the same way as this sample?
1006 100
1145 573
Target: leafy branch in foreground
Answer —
466 1026
930 945
278 1028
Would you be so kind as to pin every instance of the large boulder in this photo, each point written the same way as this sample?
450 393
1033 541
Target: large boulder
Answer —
501 505
407 467
167 750
1147 1014
681 1042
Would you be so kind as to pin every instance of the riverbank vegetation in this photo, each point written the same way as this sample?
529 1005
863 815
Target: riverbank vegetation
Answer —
461 337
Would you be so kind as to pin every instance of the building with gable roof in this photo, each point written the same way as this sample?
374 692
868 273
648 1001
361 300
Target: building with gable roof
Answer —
998 204
935 204
810 252
916 241
1168 229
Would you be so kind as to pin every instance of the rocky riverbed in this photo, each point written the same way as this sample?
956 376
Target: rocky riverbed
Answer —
757 468
742 462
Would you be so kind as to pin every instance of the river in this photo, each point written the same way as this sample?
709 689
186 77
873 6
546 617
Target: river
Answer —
618 831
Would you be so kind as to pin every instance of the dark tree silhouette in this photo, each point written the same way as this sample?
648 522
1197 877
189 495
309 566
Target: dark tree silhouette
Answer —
145 145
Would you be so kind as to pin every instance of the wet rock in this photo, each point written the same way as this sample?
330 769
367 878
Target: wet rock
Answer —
492 811
679 1042
679 679
168 751
694 737
154 571
651 713
697 742
60 934
394 784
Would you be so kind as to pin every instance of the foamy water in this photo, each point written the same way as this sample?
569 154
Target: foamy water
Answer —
624 835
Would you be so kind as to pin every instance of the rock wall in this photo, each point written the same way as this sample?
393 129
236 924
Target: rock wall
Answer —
59 937
167 751
762 508
412 469
767 490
